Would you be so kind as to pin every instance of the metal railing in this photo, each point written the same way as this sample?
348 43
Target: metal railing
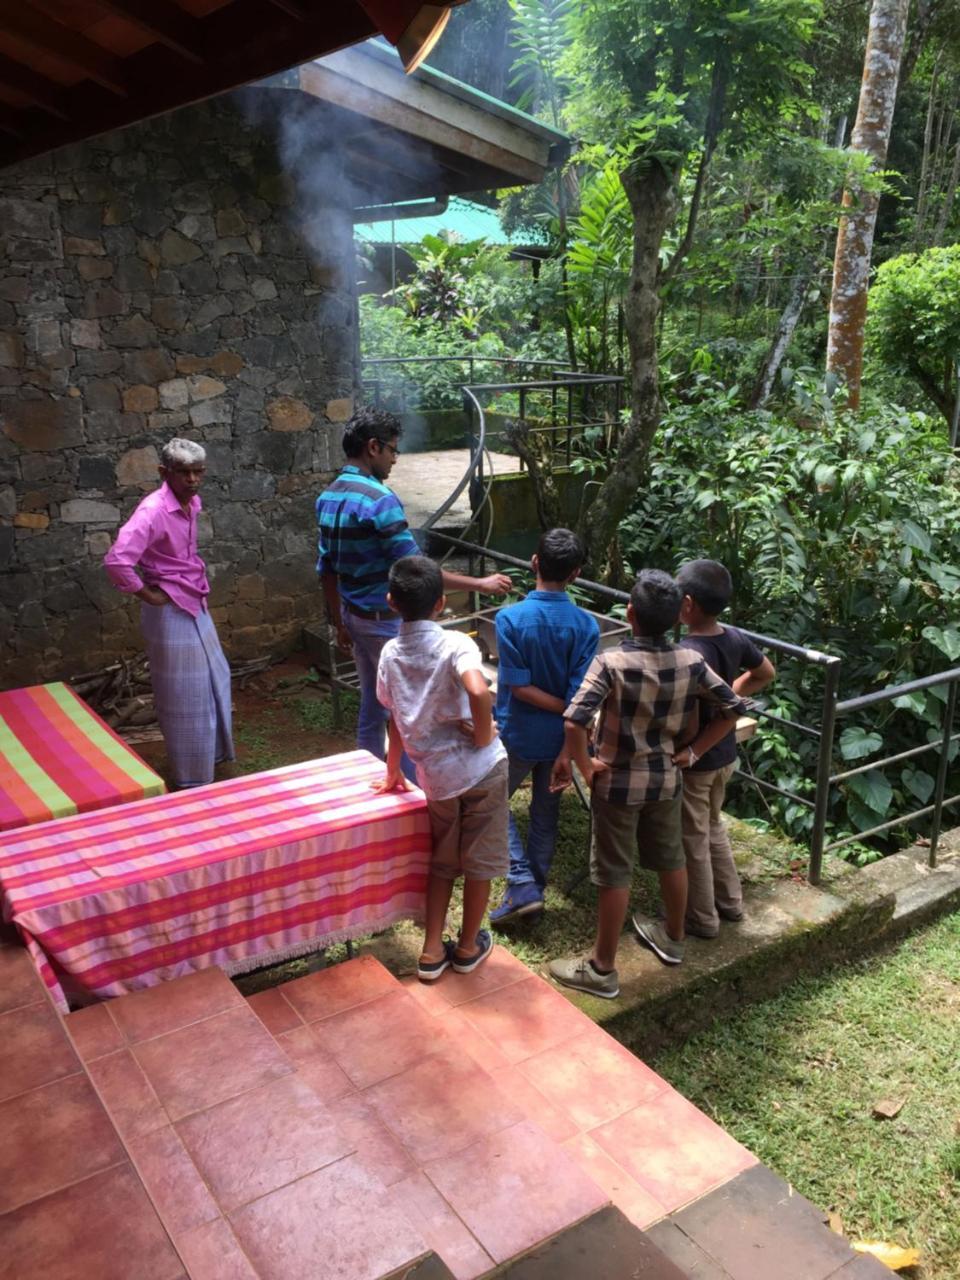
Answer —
375 387
826 779
564 383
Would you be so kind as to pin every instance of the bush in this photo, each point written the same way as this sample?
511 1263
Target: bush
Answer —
843 537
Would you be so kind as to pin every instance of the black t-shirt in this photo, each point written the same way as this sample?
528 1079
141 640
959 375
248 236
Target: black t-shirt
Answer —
729 654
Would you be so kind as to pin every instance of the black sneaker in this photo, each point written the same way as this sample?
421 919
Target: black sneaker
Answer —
484 947
430 970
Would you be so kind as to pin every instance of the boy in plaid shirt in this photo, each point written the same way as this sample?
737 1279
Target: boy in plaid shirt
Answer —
644 691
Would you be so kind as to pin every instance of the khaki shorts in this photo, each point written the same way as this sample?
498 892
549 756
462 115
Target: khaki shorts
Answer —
623 834
470 830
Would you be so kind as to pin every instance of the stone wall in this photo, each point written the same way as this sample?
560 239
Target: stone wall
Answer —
157 282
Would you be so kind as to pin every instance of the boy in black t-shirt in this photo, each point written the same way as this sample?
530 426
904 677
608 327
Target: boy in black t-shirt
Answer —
714 891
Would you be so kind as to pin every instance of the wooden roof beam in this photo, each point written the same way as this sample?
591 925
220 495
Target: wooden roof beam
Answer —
41 91
11 121
293 8
20 20
167 23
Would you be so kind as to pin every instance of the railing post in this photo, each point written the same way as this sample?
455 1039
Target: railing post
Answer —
828 720
942 771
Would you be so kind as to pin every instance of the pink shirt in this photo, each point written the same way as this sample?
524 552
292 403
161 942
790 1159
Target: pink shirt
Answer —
162 540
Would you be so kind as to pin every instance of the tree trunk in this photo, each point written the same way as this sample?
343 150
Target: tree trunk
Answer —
871 135
789 319
652 193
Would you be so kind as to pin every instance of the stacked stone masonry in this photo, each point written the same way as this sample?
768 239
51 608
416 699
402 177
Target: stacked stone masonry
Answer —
166 280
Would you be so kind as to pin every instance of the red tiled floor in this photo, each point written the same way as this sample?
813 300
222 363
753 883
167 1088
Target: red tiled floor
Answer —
51 1136
325 1078
93 1032
103 1227
210 1061
673 1150
554 1122
524 1018
440 1106
593 1078
179 1194
211 1252
170 1005
515 1188
19 982
342 986
380 1153
262 1140
276 1014
127 1094
630 1198
467 1039
440 1227
33 1049
314 1064
338 1214
427 994
382 1037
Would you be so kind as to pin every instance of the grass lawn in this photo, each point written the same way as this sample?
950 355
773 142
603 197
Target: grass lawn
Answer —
796 1079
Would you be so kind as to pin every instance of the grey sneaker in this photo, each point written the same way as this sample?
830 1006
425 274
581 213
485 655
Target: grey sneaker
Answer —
653 935
580 974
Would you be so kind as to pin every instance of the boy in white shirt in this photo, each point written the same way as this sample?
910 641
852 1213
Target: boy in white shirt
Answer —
431 682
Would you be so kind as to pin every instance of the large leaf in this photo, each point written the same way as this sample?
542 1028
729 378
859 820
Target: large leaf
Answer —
857 742
946 639
918 783
873 790
915 537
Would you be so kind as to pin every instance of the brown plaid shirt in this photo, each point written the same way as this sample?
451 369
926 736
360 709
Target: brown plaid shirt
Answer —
644 691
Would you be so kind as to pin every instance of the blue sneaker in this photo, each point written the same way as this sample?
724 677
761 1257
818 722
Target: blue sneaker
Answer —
518 901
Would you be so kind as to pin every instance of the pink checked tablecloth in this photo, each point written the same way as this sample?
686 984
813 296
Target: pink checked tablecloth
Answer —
238 874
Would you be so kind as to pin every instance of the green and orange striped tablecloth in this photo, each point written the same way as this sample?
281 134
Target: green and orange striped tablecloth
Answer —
57 757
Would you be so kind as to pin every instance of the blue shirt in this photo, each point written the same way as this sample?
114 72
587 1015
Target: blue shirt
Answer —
363 529
546 641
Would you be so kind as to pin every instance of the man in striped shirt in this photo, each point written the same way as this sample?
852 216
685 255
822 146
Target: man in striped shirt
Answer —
363 530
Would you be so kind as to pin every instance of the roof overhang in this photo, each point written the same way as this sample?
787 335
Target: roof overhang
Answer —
72 69
402 137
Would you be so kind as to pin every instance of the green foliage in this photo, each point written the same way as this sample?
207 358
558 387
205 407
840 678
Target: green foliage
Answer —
914 319
842 537
646 70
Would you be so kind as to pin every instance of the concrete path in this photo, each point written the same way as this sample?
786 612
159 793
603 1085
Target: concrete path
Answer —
424 480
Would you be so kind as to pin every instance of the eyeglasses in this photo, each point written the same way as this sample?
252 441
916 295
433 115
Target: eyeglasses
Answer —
392 447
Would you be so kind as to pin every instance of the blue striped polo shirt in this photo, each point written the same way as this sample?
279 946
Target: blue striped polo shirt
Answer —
363 529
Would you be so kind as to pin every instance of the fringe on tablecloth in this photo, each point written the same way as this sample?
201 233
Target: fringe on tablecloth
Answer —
296 949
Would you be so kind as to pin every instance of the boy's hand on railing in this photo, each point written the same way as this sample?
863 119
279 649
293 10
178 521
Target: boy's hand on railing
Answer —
496 584
393 780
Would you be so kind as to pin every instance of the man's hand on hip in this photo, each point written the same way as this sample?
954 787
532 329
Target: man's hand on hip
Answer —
153 595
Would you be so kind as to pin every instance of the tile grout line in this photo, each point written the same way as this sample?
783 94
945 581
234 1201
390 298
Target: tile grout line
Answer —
73 1182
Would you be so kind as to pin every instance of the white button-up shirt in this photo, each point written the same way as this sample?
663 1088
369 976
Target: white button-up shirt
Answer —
419 681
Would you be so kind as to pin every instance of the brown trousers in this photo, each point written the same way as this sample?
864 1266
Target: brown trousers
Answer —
711 872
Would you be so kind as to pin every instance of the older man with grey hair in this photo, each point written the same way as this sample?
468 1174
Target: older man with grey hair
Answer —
155 558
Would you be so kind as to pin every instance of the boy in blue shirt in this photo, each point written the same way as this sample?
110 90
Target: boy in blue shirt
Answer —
544 644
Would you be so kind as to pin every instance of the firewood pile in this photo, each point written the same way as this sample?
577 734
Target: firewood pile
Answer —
121 694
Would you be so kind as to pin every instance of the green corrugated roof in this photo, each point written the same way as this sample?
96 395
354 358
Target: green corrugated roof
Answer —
464 219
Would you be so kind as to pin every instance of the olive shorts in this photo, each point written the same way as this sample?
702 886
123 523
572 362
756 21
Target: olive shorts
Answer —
470 830
623 834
